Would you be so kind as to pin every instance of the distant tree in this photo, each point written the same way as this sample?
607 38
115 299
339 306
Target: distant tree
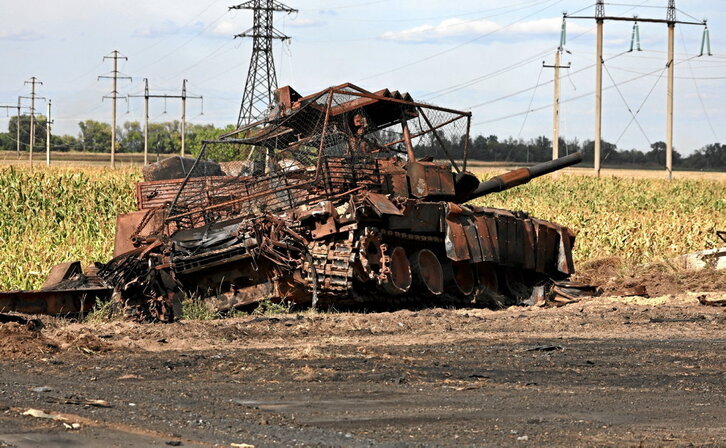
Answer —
131 138
95 136
217 152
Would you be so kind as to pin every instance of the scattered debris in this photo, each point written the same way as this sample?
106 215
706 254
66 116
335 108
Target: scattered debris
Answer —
705 259
703 299
41 389
37 413
546 348
82 402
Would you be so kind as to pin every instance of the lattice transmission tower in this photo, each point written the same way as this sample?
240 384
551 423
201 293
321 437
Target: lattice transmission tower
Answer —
261 78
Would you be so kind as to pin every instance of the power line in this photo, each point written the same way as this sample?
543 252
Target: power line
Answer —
448 50
155 44
698 92
574 98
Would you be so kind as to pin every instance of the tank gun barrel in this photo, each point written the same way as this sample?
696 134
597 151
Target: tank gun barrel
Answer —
523 175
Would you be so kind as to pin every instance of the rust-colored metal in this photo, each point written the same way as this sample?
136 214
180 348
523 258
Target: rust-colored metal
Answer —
336 199
428 275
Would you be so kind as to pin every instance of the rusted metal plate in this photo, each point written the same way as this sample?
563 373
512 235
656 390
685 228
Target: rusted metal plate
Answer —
382 205
324 228
430 179
473 239
52 302
564 257
62 271
127 225
488 247
457 248
529 248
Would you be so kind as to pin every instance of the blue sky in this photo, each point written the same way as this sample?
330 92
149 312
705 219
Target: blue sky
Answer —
470 55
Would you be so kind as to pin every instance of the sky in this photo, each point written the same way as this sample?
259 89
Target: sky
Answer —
483 57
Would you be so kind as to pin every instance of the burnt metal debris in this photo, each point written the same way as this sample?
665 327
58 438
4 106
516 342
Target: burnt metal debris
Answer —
342 196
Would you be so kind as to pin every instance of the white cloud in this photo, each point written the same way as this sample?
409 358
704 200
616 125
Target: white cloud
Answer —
460 28
24 35
226 28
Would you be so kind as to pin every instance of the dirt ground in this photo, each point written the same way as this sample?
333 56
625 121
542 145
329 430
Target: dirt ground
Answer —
601 372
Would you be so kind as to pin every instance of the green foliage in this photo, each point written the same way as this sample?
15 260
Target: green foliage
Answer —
103 312
95 136
195 309
218 153
267 307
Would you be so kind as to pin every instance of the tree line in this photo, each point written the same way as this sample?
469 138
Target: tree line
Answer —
165 138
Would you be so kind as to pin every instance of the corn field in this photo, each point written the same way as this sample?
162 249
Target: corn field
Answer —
48 216
638 220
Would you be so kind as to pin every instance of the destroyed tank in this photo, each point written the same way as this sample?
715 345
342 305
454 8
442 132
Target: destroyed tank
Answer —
340 197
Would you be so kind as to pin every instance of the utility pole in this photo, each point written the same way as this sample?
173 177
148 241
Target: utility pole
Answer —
33 82
599 15
47 136
556 102
146 121
183 96
184 115
261 77
115 55
671 21
17 125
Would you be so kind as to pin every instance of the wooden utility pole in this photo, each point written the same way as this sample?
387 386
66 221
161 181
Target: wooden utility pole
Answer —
671 21
183 96
115 55
556 103
33 82
47 136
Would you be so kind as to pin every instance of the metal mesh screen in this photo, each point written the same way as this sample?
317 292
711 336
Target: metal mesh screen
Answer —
324 145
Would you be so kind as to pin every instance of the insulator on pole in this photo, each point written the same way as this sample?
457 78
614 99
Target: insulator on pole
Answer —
706 41
563 33
635 38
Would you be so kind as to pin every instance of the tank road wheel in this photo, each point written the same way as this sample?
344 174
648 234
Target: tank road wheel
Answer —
460 280
395 276
428 275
